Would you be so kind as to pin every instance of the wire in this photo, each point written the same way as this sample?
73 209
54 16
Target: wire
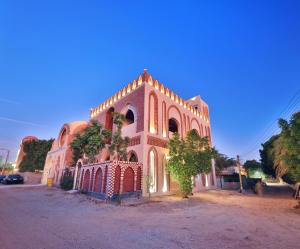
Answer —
287 111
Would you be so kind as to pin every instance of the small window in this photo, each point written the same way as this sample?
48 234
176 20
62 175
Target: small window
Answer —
133 158
173 126
129 117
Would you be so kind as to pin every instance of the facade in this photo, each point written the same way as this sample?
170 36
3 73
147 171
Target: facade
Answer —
60 155
153 114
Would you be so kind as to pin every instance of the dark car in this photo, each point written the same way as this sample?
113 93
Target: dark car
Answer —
2 178
13 179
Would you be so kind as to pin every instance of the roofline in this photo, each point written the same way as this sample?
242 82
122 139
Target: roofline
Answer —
143 79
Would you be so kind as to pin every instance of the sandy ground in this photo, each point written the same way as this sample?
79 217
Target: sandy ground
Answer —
37 218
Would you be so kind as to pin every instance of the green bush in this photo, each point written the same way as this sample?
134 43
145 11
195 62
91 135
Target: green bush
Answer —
67 180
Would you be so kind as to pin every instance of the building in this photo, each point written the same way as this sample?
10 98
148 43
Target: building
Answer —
60 155
153 114
229 178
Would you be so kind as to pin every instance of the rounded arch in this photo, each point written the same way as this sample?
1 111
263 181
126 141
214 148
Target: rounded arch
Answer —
152 169
174 112
117 179
132 156
98 181
153 113
128 180
109 119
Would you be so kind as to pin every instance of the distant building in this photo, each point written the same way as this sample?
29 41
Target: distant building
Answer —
153 114
229 177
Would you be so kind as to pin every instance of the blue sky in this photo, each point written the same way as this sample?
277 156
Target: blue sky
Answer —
60 58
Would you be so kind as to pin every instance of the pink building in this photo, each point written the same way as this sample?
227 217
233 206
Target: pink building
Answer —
153 113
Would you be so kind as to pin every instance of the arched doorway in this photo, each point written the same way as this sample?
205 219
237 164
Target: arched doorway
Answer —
86 180
128 181
98 181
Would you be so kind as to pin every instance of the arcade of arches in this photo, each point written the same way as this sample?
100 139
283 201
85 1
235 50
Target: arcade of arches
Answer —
105 180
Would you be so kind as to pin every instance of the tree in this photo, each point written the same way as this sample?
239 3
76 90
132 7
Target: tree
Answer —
252 164
222 162
188 157
290 147
119 145
90 142
67 180
267 156
280 155
35 155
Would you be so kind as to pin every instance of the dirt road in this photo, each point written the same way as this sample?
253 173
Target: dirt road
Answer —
41 218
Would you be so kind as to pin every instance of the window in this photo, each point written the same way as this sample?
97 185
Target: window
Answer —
133 157
109 119
173 125
129 117
165 176
152 172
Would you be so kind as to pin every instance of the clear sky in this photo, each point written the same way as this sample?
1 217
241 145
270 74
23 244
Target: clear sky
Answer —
60 58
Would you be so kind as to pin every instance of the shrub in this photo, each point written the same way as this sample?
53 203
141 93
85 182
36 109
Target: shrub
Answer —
67 180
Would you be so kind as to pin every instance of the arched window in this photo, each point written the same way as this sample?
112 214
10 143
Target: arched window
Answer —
129 117
133 157
109 119
164 119
166 176
173 125
153 112
152 171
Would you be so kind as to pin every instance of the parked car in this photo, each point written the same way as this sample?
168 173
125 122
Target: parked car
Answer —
13 179
2 178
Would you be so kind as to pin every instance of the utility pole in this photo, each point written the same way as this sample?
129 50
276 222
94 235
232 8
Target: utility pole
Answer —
240 174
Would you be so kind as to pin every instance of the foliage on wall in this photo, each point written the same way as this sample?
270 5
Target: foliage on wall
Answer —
35 155
189 156
90 142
